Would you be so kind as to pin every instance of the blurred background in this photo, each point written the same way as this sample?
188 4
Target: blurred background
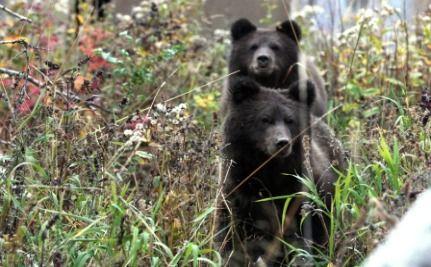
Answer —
333 13
109 155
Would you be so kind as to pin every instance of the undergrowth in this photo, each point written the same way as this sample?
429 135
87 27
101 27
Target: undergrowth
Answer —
109 133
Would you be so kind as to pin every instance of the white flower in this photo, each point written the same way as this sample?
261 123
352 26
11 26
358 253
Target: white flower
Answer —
161 107
219 33
137 9
28 195
62 6
124 18
308 10
128 132
139 126
139 16
425 19
366 16
180 108
158 44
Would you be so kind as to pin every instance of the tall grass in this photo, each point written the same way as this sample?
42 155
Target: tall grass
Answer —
102 164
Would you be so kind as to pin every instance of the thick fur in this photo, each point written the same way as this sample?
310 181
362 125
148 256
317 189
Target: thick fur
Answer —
272 58
246 228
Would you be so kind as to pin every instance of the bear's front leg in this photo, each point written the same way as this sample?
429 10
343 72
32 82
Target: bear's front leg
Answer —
241 87
295 92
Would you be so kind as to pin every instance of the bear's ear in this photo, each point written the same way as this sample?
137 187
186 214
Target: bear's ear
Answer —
241 28
310 92
243 88
292 29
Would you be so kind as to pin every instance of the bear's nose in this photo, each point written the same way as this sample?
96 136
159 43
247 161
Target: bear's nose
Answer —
263 61
282 142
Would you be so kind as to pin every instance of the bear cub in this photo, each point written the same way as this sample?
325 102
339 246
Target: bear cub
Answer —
271 57
262 123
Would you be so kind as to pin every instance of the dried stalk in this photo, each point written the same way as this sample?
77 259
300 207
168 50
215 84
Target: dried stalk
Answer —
14 14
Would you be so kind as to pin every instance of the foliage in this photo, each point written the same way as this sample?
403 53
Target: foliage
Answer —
108 154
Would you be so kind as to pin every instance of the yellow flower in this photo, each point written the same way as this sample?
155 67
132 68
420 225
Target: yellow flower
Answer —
205 102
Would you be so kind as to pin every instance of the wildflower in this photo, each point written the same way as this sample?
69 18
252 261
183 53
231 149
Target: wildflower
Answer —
219 33
179 109
137 9
161 108
62 6
159 2
124 18
387 10
128 132
139 126
308 11
205 102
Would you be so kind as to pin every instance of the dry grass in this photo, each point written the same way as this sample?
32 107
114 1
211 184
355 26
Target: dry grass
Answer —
113 161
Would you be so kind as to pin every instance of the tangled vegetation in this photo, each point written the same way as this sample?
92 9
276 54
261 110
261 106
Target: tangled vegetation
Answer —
109 134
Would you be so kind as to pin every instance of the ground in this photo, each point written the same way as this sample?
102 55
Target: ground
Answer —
109 134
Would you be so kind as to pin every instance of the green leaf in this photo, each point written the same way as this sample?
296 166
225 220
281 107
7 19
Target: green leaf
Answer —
144 154
371 112
204 214
107 56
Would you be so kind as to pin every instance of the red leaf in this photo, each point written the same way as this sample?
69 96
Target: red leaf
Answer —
27 105
97 63
8 82
90 41
49 42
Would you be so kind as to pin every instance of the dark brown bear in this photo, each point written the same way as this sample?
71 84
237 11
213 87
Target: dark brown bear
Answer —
272 58
261 123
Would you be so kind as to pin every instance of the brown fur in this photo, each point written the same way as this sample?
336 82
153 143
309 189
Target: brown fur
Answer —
280 47
254 110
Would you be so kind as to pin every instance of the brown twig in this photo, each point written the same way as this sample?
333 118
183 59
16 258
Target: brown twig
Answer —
21 75
22 42
14 14
40 84
26 74
17 41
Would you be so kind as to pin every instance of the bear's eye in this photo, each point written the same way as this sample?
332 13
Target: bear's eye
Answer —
274 47
254 47
266 120
288 121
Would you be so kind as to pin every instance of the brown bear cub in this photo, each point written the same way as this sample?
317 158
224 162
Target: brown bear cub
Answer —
271 57
260 124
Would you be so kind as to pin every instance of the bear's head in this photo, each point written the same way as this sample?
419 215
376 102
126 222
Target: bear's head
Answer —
270 56
266 121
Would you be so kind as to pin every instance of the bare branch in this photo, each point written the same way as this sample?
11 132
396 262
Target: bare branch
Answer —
21 75
14 14
17 41
4 142
38 83
23 43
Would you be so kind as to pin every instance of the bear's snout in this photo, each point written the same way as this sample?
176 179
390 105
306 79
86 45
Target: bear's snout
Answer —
278 140
263 61
281 142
